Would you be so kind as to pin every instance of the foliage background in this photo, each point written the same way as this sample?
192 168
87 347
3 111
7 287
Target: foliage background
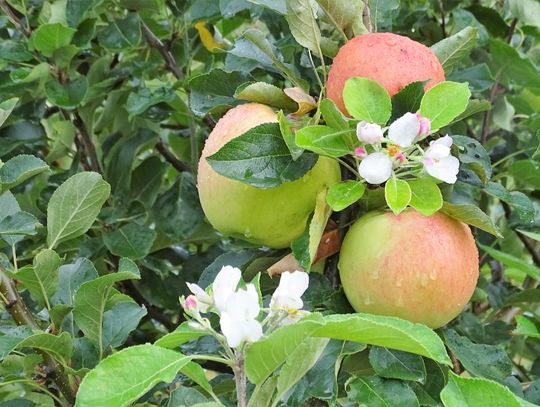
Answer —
131 88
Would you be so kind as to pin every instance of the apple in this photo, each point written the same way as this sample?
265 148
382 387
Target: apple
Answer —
423 269
271 217
390 59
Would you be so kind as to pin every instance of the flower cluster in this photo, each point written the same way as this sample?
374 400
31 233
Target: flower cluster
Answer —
399 150
239 308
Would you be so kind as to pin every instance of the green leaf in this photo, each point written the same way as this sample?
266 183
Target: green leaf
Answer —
184 333
177 212
511 67
260 158
526 11
475 106
288 136
146 181
41 279
471 215
461 391
344 194
332 115
133 241
74 206
382 14
394 364
487 361
373 391
267 94
76 10
121 34
126 375
426 196
91 299
303 25
397 194
70 278
407 99
6 107
453 49
298 363
119 322
512 261
474 157
526 172
444 102
14 227
67 96
20 168
48 38
366 100
325 140
14 51
266 355
530 235
196 373
526 327
213 92
59 347
345 15
143 99
517 200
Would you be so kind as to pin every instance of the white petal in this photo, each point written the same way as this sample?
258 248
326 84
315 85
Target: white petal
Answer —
224 285
437 151
376 168
445 141
229 327
291 287
445 169
369 133
404 130
243 304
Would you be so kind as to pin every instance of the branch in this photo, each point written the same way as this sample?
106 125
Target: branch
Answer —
10 13
171 158
366 17
87 142
496 88
156 43
22 316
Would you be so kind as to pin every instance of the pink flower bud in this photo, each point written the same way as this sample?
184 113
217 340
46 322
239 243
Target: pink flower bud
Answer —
190 303
369 133
425 125
401 157
360 152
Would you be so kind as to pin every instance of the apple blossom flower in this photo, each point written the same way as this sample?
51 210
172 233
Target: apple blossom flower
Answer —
238 318
360 152
191 303
224 285
376 168
291 287
425 125
204 301
439 163
404 130
370 133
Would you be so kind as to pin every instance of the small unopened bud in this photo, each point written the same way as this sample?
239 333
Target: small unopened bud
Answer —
425 125
191 303
360 152
401 157
369 133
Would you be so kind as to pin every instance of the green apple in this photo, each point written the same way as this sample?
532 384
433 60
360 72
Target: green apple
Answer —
423 269
271 217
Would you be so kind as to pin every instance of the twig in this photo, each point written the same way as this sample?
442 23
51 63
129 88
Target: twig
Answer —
156 43
443 18
87 142
22 316
366 17
171 158
495 89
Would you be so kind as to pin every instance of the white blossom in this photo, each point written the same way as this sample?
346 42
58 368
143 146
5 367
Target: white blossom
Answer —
369 133
439 163
404 130
238 318
289 291
224 285
376 168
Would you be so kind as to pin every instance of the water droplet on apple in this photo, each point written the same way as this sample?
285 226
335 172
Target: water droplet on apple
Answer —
247 233
375 274
433 275
369 44
399 302
390 42
367 301
424 280
398 282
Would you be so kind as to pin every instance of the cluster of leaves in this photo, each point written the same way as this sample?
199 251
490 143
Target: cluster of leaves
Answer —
105 106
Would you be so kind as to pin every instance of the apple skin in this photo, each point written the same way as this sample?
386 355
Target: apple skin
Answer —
271 217
390 59
423 269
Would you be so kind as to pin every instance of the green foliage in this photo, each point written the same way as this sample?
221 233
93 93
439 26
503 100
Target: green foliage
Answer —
104 110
